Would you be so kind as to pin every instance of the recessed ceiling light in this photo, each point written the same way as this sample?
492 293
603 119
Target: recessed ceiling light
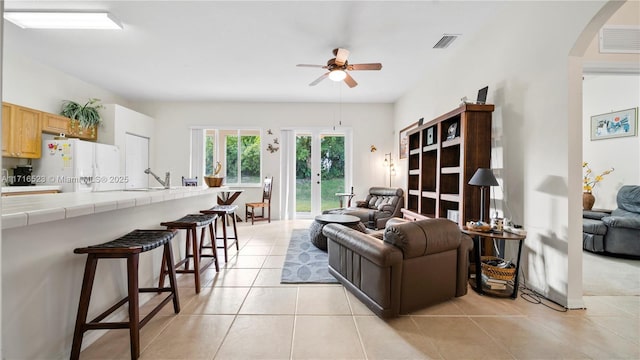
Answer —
62 20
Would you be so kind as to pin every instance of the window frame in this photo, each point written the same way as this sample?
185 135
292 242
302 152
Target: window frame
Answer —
219 151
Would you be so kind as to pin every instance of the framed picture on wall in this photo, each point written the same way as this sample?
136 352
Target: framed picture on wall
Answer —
614 124
404 140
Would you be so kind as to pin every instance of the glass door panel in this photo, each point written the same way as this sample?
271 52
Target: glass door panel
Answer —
332 170
303 174
321 171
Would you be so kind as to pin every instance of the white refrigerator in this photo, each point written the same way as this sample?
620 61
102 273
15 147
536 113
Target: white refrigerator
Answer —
79 165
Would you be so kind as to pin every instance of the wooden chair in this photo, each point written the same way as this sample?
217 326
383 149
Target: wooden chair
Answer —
265 203
190 182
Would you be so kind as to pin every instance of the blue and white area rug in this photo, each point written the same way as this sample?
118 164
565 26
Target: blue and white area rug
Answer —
305 263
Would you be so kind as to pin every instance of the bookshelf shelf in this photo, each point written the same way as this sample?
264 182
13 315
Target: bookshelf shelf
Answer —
440 168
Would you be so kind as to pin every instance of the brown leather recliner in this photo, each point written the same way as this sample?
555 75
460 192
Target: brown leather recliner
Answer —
417 264
380 205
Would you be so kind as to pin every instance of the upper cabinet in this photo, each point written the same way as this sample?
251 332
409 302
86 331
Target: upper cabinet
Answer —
55 124
21 132
58 124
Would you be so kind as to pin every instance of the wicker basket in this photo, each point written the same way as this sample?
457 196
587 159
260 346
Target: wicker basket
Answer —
213 181
496 272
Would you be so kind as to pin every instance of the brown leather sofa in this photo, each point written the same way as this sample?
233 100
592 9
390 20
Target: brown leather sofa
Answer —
382 204
415 265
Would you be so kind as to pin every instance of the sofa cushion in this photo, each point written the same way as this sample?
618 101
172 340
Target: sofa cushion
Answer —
594 227
628 198
423 237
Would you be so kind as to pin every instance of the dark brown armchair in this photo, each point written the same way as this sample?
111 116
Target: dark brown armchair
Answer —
382 204
417 264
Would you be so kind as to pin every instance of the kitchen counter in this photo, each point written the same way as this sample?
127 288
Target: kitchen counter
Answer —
27 190
35 209
42 277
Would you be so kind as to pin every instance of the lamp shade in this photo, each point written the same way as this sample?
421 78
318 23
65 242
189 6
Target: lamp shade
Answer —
483 177
337 75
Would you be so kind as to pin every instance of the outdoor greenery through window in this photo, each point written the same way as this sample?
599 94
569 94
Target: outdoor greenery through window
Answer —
239 153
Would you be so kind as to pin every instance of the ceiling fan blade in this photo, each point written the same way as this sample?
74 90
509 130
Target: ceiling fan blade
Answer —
316 81
371 66
349 80
313 66
341 56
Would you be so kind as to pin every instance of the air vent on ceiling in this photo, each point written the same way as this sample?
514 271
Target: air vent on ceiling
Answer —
446 40
620 39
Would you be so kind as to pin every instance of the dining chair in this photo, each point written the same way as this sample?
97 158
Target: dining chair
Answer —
264 205
189 182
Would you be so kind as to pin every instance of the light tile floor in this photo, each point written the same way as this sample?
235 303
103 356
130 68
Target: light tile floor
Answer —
244 312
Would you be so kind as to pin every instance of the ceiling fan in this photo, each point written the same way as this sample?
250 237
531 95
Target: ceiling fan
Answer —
338 67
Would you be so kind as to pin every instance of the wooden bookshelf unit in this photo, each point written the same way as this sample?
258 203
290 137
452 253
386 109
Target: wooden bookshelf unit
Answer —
444 153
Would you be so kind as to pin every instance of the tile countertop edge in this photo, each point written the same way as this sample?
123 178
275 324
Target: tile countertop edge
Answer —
11 189
13 217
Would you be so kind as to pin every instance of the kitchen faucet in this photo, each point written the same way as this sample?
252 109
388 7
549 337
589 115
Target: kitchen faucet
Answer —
167 178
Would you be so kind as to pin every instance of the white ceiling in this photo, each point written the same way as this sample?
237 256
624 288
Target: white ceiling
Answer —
247 51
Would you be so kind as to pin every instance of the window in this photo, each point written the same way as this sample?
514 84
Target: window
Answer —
238 151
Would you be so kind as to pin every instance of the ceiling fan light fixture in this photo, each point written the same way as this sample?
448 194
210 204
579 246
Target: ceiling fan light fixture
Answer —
337 75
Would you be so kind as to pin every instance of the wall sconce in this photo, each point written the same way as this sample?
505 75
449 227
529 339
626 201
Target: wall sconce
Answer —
388 162
373 148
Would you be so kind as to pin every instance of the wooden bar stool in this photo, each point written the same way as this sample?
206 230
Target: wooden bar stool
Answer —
225 212
126 247
193 249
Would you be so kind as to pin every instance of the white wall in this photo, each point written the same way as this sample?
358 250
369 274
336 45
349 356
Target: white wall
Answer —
31 84
603 94
526 69
1 166
119 121
371 124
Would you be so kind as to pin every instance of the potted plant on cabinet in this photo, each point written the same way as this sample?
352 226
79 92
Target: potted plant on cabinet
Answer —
84 116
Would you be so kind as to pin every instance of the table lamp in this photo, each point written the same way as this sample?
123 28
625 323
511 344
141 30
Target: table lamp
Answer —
483 178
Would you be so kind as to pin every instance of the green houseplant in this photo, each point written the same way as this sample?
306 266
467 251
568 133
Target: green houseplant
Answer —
87 115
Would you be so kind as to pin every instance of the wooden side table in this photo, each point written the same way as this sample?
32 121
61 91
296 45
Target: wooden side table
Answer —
477 284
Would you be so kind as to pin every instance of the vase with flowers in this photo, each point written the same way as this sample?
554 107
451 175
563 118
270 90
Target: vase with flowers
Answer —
589 181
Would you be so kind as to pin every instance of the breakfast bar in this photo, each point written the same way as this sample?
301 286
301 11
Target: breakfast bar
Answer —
42 277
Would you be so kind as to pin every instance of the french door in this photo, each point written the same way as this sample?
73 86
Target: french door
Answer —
323 168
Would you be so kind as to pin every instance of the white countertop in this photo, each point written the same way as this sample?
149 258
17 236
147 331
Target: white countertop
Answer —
27 210
11 189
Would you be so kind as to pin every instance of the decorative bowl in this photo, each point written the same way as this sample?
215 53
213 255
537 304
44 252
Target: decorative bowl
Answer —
213 181
478 226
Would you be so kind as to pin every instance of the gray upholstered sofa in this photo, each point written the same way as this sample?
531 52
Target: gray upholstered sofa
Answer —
414 265
380 205
618 232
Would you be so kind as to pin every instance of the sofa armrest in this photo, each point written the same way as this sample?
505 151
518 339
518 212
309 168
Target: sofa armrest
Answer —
362 204
622 222
595 215
374 250
466 245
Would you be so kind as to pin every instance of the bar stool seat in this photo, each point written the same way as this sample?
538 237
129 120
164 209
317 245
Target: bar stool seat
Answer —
225 212
126 247
193 249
